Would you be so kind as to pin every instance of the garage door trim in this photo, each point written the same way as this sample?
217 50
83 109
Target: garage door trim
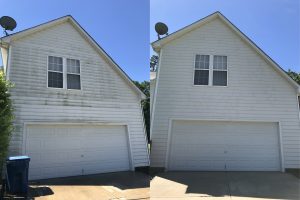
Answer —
171 120
131 165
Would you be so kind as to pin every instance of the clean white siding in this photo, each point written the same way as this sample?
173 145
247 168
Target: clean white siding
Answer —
105 96
255 90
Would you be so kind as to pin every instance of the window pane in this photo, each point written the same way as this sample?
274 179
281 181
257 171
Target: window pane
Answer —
73 81
202 62
201 77
220 62
220 78
55 79
73 66
55 64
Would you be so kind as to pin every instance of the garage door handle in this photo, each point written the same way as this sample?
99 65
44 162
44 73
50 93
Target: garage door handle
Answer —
82 156
225 151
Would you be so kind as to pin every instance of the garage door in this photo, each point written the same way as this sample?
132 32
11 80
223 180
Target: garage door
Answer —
69 150
221 146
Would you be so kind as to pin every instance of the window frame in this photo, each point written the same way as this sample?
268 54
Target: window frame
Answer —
210 73
78 74
194 69
64 72
219 70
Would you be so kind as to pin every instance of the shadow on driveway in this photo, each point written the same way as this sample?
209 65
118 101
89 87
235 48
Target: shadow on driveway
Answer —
225 185
39 191
127 185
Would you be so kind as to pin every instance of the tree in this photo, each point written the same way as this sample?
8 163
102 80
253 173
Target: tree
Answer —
294 75
145 87
6 117
153 63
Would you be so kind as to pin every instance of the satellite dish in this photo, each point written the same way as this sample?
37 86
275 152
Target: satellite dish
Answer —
161 29
8 23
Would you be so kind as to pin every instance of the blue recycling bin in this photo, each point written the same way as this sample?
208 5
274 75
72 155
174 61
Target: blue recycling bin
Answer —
17 174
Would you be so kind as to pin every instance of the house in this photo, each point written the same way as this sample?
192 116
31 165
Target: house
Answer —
76 111
221 104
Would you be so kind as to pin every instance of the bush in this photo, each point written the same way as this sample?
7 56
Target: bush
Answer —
145 88
6 117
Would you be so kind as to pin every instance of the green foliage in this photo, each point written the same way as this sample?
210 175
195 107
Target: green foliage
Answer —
6 117
153 63
145 87
294 75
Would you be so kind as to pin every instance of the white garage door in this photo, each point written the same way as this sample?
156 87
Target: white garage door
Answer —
221 146
69 150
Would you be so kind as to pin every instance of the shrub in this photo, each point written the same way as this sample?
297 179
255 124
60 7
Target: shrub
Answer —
6 117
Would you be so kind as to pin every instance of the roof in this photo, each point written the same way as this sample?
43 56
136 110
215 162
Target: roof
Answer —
158 44
76 25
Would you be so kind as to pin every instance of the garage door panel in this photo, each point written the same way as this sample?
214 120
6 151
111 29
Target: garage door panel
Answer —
96 167
252 165
251 151
202 150
53 158
68 150
104 156
63 144
211 145
194 165
34 143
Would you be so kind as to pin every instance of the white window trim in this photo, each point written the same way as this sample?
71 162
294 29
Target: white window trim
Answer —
210 69
194 69
64 72
220 70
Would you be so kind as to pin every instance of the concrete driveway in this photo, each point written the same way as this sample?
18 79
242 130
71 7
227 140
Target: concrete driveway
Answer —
109 186
222 185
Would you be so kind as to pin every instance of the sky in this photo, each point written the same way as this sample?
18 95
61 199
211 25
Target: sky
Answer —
274 25
121 28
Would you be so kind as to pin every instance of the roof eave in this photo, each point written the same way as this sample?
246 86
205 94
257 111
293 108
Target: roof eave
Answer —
159 43
34 29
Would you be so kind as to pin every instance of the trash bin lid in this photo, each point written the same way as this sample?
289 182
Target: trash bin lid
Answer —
18 158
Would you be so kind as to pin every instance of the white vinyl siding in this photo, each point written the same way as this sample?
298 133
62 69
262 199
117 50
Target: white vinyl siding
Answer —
255 90
105 96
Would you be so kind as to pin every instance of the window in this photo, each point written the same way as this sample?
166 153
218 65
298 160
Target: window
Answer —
61 76
210 73
73 74
220 71
201 75
55 72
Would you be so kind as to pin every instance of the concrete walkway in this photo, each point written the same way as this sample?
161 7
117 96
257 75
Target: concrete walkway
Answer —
222 185
110 186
